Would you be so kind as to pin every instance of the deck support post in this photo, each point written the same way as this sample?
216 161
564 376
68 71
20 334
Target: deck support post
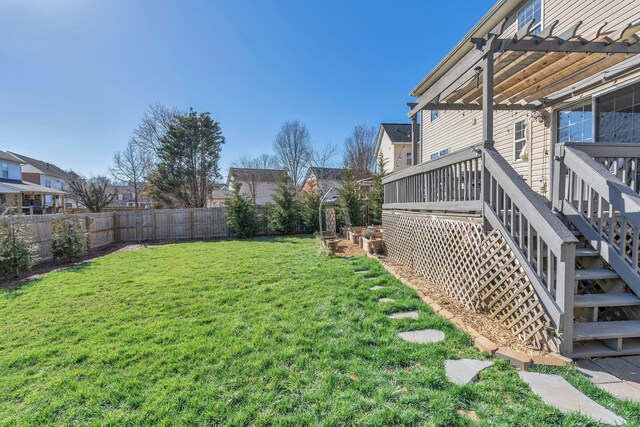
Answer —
487 127
414 140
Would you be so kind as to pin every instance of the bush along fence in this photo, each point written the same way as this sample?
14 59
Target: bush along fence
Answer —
143 226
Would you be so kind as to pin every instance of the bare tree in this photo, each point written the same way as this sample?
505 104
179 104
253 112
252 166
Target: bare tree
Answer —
250 170
153 126
94 193
292 148
359 150
131 166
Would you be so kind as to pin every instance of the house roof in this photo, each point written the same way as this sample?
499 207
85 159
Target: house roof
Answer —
327 173
260 175
7 186
44 167
4 155
398 132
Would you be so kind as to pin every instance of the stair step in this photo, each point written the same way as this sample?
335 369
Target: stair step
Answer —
606 330
584 252
605 300
576 232
588 349
595 274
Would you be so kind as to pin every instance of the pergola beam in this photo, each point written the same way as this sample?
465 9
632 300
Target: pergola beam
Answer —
478 107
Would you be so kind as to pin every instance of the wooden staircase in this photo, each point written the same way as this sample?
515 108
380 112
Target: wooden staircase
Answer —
606 311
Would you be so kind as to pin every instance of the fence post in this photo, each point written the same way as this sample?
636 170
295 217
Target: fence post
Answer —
154 227
115 227
191 234
87 226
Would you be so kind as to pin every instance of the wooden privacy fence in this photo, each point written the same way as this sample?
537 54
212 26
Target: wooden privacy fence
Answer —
143 225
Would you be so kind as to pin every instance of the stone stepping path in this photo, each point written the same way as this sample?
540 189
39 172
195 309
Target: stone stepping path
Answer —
404 315
386 300
376 288
557 392
424 336
618 376
464 371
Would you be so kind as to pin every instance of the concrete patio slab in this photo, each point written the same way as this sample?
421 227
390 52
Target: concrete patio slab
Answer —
404 315
634 360
621 368
557 392
424 336
464 371
595 373
386 300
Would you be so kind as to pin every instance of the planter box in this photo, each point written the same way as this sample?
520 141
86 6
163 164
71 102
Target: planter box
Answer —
332 245
371 245
354 237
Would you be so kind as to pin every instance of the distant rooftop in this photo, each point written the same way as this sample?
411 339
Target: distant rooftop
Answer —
398 132
42 166
260 175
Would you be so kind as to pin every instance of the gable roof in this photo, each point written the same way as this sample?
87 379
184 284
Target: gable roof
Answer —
4 155
327 173
398 132
44 167
260 175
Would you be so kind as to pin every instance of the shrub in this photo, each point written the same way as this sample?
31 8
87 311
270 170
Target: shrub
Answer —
285 213
376 195
68 239
17 253
309 210
240 210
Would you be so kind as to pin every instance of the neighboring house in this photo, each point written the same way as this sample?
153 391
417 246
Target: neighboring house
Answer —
525 203
125 198
259 184
45 174
329 181
19 196
219 195
395 145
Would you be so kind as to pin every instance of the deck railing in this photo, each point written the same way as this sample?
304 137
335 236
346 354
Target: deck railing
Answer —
451 183
595 185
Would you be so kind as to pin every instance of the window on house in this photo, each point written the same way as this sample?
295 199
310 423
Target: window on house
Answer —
120 196
409 163
434 114
532 11
4 168
47 183
575 123
519 140
618 117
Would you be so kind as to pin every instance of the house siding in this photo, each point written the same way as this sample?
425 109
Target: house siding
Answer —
454 130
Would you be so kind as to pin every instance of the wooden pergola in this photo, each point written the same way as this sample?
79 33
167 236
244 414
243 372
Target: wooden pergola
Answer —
520 72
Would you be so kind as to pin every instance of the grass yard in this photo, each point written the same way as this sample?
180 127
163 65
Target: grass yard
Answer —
260 332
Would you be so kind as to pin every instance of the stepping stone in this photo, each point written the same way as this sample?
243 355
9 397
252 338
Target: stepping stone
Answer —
557 392
595 373
424 336
464 371
404 315
622 390
386 300
376 288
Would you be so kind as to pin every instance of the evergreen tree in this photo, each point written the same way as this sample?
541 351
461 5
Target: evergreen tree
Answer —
376 195
350 205
240 210
188 157
285 213
309 209
68 239
17 253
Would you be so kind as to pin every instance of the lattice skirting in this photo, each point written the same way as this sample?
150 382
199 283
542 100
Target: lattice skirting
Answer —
478 269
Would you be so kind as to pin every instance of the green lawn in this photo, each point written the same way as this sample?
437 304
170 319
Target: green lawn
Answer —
260 332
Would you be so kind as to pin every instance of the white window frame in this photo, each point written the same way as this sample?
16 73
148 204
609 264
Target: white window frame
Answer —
539 26
516 141
438 154
408 157
4 169
434 115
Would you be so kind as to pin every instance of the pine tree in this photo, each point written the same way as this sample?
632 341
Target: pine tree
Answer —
350 204
17 253
285 213
240 210
309 209
376 195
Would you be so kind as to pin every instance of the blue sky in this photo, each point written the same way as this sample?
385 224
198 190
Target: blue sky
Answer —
78 75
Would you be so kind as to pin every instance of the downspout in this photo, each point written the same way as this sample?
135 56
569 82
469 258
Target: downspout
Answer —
415 137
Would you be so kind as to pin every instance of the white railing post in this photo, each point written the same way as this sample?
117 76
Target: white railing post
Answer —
565 291
559 178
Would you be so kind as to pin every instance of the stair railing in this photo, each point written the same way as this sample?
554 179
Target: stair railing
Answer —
543 245
600 202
